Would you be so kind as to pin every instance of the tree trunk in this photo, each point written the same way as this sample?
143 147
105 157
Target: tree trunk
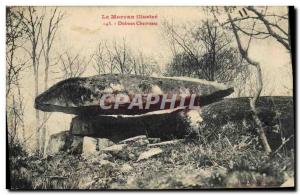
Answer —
253 101
37 114
44 128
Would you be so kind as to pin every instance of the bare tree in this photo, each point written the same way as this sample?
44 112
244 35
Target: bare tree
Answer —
14 40
104 58
15 105
184 50
144 65
100 58
276 26
15 115
33 22
52 26
73 65
258 23
268 24
244 53
122 57
110 59
206 53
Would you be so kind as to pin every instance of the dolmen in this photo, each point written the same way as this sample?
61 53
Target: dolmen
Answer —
118 107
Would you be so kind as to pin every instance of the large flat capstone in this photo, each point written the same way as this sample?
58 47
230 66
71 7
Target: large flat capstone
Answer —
82 96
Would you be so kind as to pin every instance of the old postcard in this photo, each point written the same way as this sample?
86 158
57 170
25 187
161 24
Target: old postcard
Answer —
150 98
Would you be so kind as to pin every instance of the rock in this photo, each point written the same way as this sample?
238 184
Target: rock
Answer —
121 151
115 148
57 142
104 143
64 141
81 96
273 111
125 168
133 139
89 145
137 141
150 153
92 145
166 143
165 126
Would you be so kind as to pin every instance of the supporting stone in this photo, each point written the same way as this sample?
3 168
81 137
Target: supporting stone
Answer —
56 143
164 126
64 141
89 145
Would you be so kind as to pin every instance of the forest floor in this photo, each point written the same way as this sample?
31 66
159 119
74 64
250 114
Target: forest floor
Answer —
182 165
226 153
